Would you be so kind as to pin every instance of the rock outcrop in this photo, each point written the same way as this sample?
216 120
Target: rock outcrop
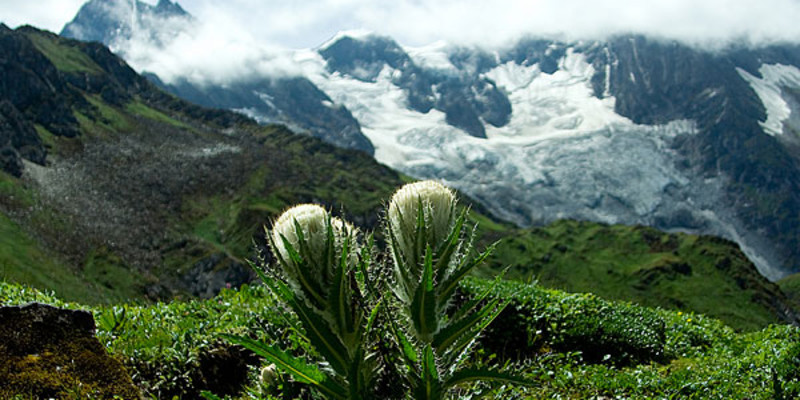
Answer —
47 352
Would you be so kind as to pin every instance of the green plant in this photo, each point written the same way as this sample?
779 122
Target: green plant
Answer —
338 293
319 262
430 250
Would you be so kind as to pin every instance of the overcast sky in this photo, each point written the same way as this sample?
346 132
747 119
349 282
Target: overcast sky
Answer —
307 23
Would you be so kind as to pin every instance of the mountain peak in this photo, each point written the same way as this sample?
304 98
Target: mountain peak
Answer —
109 21
352 34
170 8
363 55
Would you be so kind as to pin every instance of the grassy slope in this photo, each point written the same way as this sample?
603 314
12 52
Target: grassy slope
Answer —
23 257
572 346
791 286
678 271
287 169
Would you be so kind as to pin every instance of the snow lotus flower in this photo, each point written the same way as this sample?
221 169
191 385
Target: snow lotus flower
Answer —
438 210
311 218
307 252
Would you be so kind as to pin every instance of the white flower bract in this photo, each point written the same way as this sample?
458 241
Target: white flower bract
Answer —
438 204
311 218
438 211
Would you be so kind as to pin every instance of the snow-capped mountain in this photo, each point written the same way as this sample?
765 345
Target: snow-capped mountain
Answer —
134 29
113 22
628 130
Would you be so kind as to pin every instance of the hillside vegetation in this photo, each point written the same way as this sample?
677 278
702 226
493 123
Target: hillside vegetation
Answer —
570 345
142 195
648 267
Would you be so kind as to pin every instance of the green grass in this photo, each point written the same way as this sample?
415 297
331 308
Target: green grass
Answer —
102 281
106 270
66 58
580 347
138 108
570 345
14 193
110 117
22 260
791 286
48 138
643 265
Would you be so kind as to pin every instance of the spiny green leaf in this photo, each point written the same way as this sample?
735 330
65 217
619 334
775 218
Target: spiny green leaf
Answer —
462 344
445 252
363 266
401 266
423 307
340 301
456 329
286 295
330 242
354 377
431 386
408 350
451 283
301 371
476 300
321 336
299 270
373 316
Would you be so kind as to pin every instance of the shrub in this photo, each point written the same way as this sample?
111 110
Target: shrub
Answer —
539 320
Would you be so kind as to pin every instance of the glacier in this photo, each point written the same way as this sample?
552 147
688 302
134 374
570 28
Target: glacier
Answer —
565 153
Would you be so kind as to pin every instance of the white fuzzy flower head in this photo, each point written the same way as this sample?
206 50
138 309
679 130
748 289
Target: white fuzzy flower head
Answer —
438 204
312 220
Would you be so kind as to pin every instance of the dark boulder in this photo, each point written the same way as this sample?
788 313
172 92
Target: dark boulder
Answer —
48 352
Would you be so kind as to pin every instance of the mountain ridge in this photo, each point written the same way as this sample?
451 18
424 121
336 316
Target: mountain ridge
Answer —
129 176
673 135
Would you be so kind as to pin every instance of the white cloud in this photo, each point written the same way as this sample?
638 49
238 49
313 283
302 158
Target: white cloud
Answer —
45 14
415 22
239 38
218 49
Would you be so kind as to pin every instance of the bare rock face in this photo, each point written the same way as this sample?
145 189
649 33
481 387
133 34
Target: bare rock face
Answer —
48 352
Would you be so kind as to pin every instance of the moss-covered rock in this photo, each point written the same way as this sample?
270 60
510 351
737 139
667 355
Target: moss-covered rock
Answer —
47 352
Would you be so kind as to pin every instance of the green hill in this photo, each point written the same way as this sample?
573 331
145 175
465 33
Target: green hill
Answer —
144 195
648 267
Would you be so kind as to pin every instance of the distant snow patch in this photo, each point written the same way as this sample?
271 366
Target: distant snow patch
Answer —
434 56
353 34
552 105
565 153
776 78
211 151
